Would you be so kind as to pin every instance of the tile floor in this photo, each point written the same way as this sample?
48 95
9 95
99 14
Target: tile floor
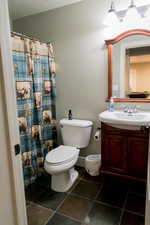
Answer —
91 201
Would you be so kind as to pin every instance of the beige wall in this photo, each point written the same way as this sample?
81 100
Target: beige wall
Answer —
77 34
142 76
78 37
11 23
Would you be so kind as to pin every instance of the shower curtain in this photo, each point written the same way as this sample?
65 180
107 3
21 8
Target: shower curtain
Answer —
35 90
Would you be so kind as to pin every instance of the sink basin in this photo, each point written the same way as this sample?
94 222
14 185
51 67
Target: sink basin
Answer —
130 117
121 118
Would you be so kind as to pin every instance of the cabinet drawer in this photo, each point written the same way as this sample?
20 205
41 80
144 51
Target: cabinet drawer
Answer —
107 129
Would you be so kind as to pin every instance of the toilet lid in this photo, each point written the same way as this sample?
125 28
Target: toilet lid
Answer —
61 154
76 123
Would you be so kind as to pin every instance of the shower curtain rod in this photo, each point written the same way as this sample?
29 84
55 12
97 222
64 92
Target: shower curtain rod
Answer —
26 36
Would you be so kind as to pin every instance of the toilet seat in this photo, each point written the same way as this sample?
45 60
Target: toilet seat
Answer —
61 155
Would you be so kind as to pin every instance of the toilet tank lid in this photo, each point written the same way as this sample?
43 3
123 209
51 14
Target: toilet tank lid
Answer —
76 123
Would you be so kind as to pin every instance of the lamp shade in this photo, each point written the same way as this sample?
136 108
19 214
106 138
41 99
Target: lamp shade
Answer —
132 15
147 14
111 18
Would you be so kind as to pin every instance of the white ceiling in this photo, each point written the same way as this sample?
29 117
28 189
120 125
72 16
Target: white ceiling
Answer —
21 8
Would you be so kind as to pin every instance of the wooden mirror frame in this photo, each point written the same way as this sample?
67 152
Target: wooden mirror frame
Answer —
110 43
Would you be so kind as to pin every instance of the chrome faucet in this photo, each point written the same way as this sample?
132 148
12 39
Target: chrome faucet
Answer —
135 108
130 109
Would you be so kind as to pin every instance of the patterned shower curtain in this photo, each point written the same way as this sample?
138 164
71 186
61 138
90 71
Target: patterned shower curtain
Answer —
35 90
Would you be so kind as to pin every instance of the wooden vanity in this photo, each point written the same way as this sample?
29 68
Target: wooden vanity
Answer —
124 152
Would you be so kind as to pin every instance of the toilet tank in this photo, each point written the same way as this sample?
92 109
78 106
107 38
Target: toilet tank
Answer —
76 133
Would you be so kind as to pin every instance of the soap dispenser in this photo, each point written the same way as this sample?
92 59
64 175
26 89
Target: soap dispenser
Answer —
70 115
111 105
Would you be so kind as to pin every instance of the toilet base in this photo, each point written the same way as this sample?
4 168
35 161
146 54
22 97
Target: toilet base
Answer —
62 182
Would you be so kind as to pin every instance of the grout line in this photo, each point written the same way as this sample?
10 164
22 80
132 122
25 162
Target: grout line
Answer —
44 207
69 217
72 188
41 206
59 206
49 218
87 198
138 194
101 187
130 211
92 204
123 208
93 200
103 203
90 208
67 194
81 196
108 205
70 193
136 213
90 181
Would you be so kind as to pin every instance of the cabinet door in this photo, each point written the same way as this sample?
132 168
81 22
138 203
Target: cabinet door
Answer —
114 153
137 157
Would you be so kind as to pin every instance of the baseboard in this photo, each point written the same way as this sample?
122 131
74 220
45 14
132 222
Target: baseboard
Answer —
81 161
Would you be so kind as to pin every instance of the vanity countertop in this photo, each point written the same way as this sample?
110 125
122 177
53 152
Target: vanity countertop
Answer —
123 118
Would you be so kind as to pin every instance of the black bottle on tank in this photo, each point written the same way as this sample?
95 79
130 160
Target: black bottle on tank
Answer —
70 115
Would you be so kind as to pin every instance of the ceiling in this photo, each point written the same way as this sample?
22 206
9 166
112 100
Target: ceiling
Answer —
22 8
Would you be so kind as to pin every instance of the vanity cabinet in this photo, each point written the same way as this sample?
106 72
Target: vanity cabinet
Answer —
124 152
137 156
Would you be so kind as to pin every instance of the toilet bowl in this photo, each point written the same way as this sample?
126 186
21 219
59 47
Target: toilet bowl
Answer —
60 161
60 164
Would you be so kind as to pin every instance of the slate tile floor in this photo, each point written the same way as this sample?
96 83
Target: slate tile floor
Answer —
91 201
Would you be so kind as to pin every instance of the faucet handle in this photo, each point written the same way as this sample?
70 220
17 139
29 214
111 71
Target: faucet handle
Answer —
136 108
124 107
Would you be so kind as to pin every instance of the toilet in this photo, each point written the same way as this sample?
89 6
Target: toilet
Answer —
60 161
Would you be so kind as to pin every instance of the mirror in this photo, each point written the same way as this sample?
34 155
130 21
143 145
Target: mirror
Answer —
129 66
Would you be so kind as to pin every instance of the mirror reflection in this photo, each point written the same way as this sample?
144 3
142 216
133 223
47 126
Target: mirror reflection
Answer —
138 72
131 67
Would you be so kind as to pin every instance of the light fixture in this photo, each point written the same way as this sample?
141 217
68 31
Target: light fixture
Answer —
132 13
111 17
147 14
